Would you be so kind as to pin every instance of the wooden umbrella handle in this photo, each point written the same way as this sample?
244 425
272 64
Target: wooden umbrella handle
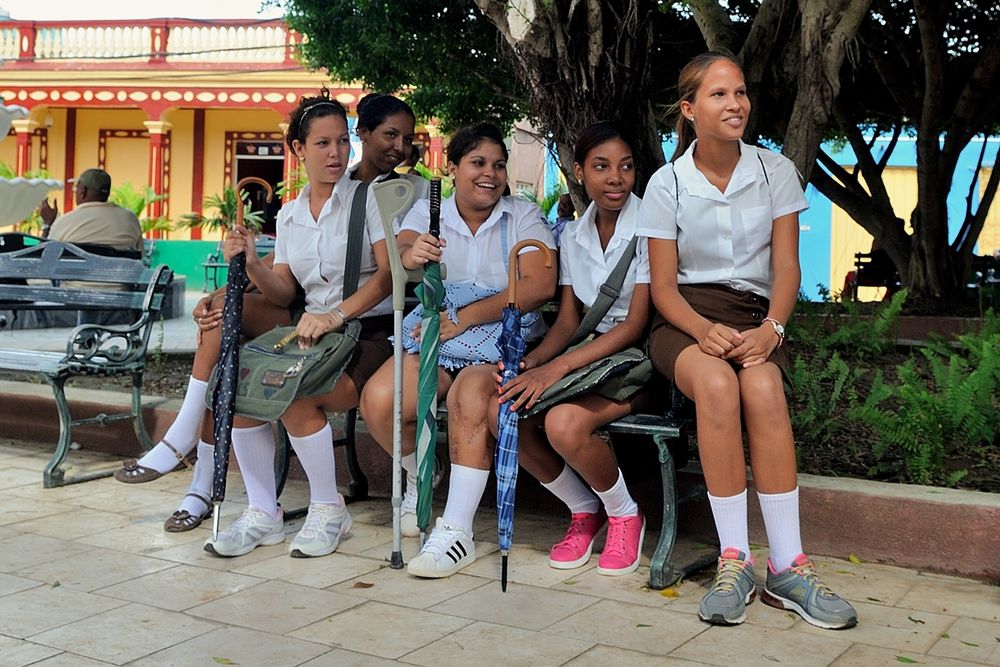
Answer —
512 265
239 200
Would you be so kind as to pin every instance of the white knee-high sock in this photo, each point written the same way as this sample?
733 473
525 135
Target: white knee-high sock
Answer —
183 433
254 448
201 481
465 490
617 500
731 521
781 521
409 463
315 453
570 489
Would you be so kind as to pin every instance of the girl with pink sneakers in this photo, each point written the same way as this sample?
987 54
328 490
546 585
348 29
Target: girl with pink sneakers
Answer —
558 445
723 225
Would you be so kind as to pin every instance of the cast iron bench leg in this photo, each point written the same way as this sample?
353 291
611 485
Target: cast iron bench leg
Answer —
137 422
54 475
662 570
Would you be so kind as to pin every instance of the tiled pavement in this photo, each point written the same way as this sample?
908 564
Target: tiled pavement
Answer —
87 577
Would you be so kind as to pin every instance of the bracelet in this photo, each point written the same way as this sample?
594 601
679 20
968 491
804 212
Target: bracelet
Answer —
778 327
343 316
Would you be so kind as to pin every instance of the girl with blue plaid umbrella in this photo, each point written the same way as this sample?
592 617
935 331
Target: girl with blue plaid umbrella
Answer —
559 446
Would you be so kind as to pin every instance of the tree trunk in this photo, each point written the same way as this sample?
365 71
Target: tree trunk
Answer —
578 63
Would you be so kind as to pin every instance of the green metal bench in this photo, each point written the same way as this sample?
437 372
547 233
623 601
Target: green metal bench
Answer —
91 349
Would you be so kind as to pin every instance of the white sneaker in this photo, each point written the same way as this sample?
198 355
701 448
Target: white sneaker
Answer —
408 510
252 529
446 551
321 533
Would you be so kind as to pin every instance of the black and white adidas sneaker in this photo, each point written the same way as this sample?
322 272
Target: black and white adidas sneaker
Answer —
446 551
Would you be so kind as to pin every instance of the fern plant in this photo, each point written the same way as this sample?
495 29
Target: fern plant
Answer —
822 384
947 411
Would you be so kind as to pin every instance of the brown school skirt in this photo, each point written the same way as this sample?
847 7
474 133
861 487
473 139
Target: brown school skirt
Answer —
738 309
373 349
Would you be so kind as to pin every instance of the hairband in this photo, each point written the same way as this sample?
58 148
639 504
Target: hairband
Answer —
313 106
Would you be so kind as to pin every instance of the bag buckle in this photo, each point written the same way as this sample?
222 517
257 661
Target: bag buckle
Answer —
292 371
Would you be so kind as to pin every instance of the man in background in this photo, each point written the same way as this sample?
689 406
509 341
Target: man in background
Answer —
95 221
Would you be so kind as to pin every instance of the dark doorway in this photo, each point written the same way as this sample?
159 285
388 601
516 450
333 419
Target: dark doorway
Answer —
269 167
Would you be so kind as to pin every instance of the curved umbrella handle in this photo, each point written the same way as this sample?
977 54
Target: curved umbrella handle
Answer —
512 264
239 200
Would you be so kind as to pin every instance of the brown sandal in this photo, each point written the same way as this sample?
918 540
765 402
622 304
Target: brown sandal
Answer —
182 521
133 473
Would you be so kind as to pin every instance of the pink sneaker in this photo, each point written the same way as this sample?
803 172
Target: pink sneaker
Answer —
623 545
577 545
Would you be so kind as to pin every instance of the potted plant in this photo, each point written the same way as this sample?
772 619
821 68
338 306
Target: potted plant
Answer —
224 214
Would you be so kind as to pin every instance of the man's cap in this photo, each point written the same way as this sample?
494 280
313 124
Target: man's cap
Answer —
97 180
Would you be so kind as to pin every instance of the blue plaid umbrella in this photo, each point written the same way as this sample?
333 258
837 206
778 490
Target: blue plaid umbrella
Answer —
224 396
512 346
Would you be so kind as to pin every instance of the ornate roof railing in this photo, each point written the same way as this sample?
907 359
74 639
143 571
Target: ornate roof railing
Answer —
158 43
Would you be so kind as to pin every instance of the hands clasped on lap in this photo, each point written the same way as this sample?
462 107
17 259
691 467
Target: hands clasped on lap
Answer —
747 348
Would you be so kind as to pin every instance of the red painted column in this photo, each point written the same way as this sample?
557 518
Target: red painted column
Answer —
25 129
69 171
435 151
289 169
198 168
157 164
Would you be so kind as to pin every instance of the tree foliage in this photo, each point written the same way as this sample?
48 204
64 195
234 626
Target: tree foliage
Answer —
815 69
445 56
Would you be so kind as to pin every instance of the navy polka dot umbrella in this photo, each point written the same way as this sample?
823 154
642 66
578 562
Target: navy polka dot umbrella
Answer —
224 396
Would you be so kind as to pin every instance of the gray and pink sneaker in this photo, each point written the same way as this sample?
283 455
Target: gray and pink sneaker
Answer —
623 545
799 589
575 548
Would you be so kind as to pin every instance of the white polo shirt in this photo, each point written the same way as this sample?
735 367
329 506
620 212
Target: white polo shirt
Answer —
585 266
479 259
722 237
316 250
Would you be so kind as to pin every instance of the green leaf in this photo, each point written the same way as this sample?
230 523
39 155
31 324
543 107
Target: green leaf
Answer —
56 584
854 559
224 661
643 625
874 599
945 635
906 661
968 643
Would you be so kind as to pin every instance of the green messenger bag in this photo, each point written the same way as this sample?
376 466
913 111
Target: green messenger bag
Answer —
272 375
616 377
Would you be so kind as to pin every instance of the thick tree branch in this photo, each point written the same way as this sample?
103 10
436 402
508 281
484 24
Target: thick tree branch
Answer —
714 23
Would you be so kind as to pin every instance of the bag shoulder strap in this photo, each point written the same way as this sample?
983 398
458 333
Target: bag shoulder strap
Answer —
355 237
608 294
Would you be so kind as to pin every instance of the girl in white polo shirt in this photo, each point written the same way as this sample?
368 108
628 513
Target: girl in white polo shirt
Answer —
722 222
386 127
310 249
560 443
474 223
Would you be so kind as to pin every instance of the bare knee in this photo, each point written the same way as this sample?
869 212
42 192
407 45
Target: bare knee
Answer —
376 401
565 431
762 390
